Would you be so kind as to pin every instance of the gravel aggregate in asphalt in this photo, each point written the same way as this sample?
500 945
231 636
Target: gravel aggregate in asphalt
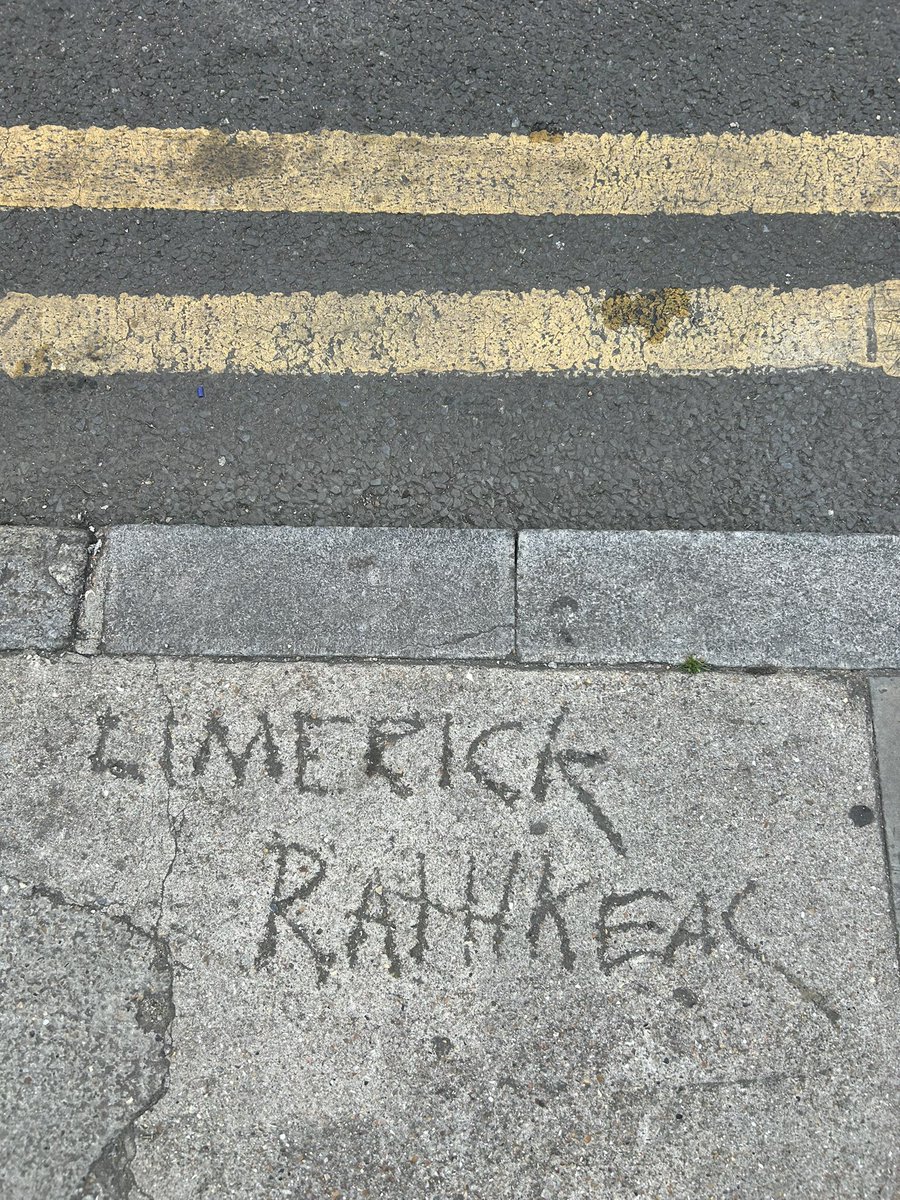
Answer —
458 67
816 452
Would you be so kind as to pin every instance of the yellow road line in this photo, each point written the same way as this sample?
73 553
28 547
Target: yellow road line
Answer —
377 333
334 171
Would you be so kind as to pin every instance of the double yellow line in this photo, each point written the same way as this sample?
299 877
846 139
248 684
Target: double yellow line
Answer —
204 170
375 333
487 332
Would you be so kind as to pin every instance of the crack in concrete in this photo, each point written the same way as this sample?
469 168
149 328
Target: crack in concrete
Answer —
109 1176
175 823
476 633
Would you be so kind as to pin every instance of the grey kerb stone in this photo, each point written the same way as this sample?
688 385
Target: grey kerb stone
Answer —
287 929
409 593
734 599
41 571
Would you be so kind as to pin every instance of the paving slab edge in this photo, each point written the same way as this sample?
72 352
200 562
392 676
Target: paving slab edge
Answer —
884 735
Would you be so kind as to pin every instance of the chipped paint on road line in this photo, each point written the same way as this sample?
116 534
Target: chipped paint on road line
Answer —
52 166
481 333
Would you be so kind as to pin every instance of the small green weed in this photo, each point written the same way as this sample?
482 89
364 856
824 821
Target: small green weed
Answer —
693 665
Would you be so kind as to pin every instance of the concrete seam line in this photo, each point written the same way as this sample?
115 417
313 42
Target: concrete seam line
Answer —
89 623
884 727
578 332
52 166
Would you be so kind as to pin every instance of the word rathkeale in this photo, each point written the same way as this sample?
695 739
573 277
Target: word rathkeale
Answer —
644 923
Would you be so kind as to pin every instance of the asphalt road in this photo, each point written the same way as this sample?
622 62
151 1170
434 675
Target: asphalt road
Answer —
455 67
815 451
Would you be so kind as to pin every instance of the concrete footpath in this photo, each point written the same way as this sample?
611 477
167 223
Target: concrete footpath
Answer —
403 863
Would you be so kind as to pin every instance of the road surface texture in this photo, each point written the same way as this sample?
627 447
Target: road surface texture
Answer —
762 449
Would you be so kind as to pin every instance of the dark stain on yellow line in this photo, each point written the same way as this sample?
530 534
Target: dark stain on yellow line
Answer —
223 159
39 364
545 171
651 312
670 331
